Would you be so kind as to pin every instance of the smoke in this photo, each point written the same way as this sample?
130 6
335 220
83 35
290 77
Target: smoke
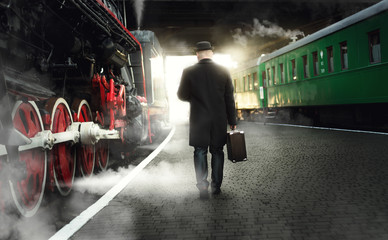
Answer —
38 227
151 175
158 180
163 181
169 179
262 29
14 226
102 182
2 107
139 7
147 184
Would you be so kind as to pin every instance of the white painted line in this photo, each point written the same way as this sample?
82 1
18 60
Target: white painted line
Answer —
68 230
324 128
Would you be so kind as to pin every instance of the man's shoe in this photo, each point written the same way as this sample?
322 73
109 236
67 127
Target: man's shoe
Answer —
204 194
217 191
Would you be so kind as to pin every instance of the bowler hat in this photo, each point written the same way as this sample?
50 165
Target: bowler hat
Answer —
203 45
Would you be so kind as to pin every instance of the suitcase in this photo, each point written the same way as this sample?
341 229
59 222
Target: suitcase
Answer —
235 143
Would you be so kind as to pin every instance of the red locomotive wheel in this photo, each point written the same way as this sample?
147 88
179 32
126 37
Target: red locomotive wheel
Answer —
85 153
28 184
102 154
62 156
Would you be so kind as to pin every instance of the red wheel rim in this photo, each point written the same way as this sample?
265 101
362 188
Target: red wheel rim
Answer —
85 153
62 155
102 154
27 189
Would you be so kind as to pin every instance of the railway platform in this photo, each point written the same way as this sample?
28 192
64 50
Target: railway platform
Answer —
298 183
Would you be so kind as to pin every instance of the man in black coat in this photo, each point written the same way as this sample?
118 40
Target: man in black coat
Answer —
208 87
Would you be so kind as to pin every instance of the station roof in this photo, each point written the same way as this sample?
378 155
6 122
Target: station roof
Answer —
235 25
344 23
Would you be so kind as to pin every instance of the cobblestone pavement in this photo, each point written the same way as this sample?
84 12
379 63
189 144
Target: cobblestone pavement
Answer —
297 184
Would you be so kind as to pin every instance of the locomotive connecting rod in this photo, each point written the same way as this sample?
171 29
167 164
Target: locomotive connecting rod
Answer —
91 133
43 139
84 133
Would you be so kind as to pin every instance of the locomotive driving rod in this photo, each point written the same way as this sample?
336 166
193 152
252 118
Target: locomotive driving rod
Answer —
78 132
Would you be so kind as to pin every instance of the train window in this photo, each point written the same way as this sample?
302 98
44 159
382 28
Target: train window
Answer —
269 76
255 81
330 59
235 85
281 73
344 55
264 79
293 69
274 75
305 67
315 63
374 47
245 83
250 82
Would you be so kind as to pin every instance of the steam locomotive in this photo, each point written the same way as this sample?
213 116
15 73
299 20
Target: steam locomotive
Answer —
334 77
73 79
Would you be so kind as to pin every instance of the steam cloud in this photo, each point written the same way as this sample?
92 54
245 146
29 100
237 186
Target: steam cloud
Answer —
262 29
139 7
102 182
13 226
153 182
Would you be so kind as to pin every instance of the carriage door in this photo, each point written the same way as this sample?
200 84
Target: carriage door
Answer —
263 90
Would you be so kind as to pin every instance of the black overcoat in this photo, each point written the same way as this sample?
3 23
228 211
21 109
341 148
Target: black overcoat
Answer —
209 89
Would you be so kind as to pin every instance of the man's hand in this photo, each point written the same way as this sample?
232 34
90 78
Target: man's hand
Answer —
233 127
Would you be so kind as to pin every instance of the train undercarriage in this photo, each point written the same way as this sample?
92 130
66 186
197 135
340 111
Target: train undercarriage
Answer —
369 117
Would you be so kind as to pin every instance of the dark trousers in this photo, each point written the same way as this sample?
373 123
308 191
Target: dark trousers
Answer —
201 166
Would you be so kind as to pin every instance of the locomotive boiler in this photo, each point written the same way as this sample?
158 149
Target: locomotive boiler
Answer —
73 79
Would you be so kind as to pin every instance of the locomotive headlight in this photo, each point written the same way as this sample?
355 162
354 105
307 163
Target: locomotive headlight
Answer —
118 58
113 53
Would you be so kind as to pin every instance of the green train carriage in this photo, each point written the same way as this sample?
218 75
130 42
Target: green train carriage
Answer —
338 74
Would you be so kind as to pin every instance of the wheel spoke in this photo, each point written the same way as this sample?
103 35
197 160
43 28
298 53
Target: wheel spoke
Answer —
33 126
64 165
102 154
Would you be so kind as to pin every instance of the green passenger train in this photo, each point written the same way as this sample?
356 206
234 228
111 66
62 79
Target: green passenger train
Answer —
336 75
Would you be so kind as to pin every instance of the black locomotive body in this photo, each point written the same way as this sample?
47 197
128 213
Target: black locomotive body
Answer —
73 79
